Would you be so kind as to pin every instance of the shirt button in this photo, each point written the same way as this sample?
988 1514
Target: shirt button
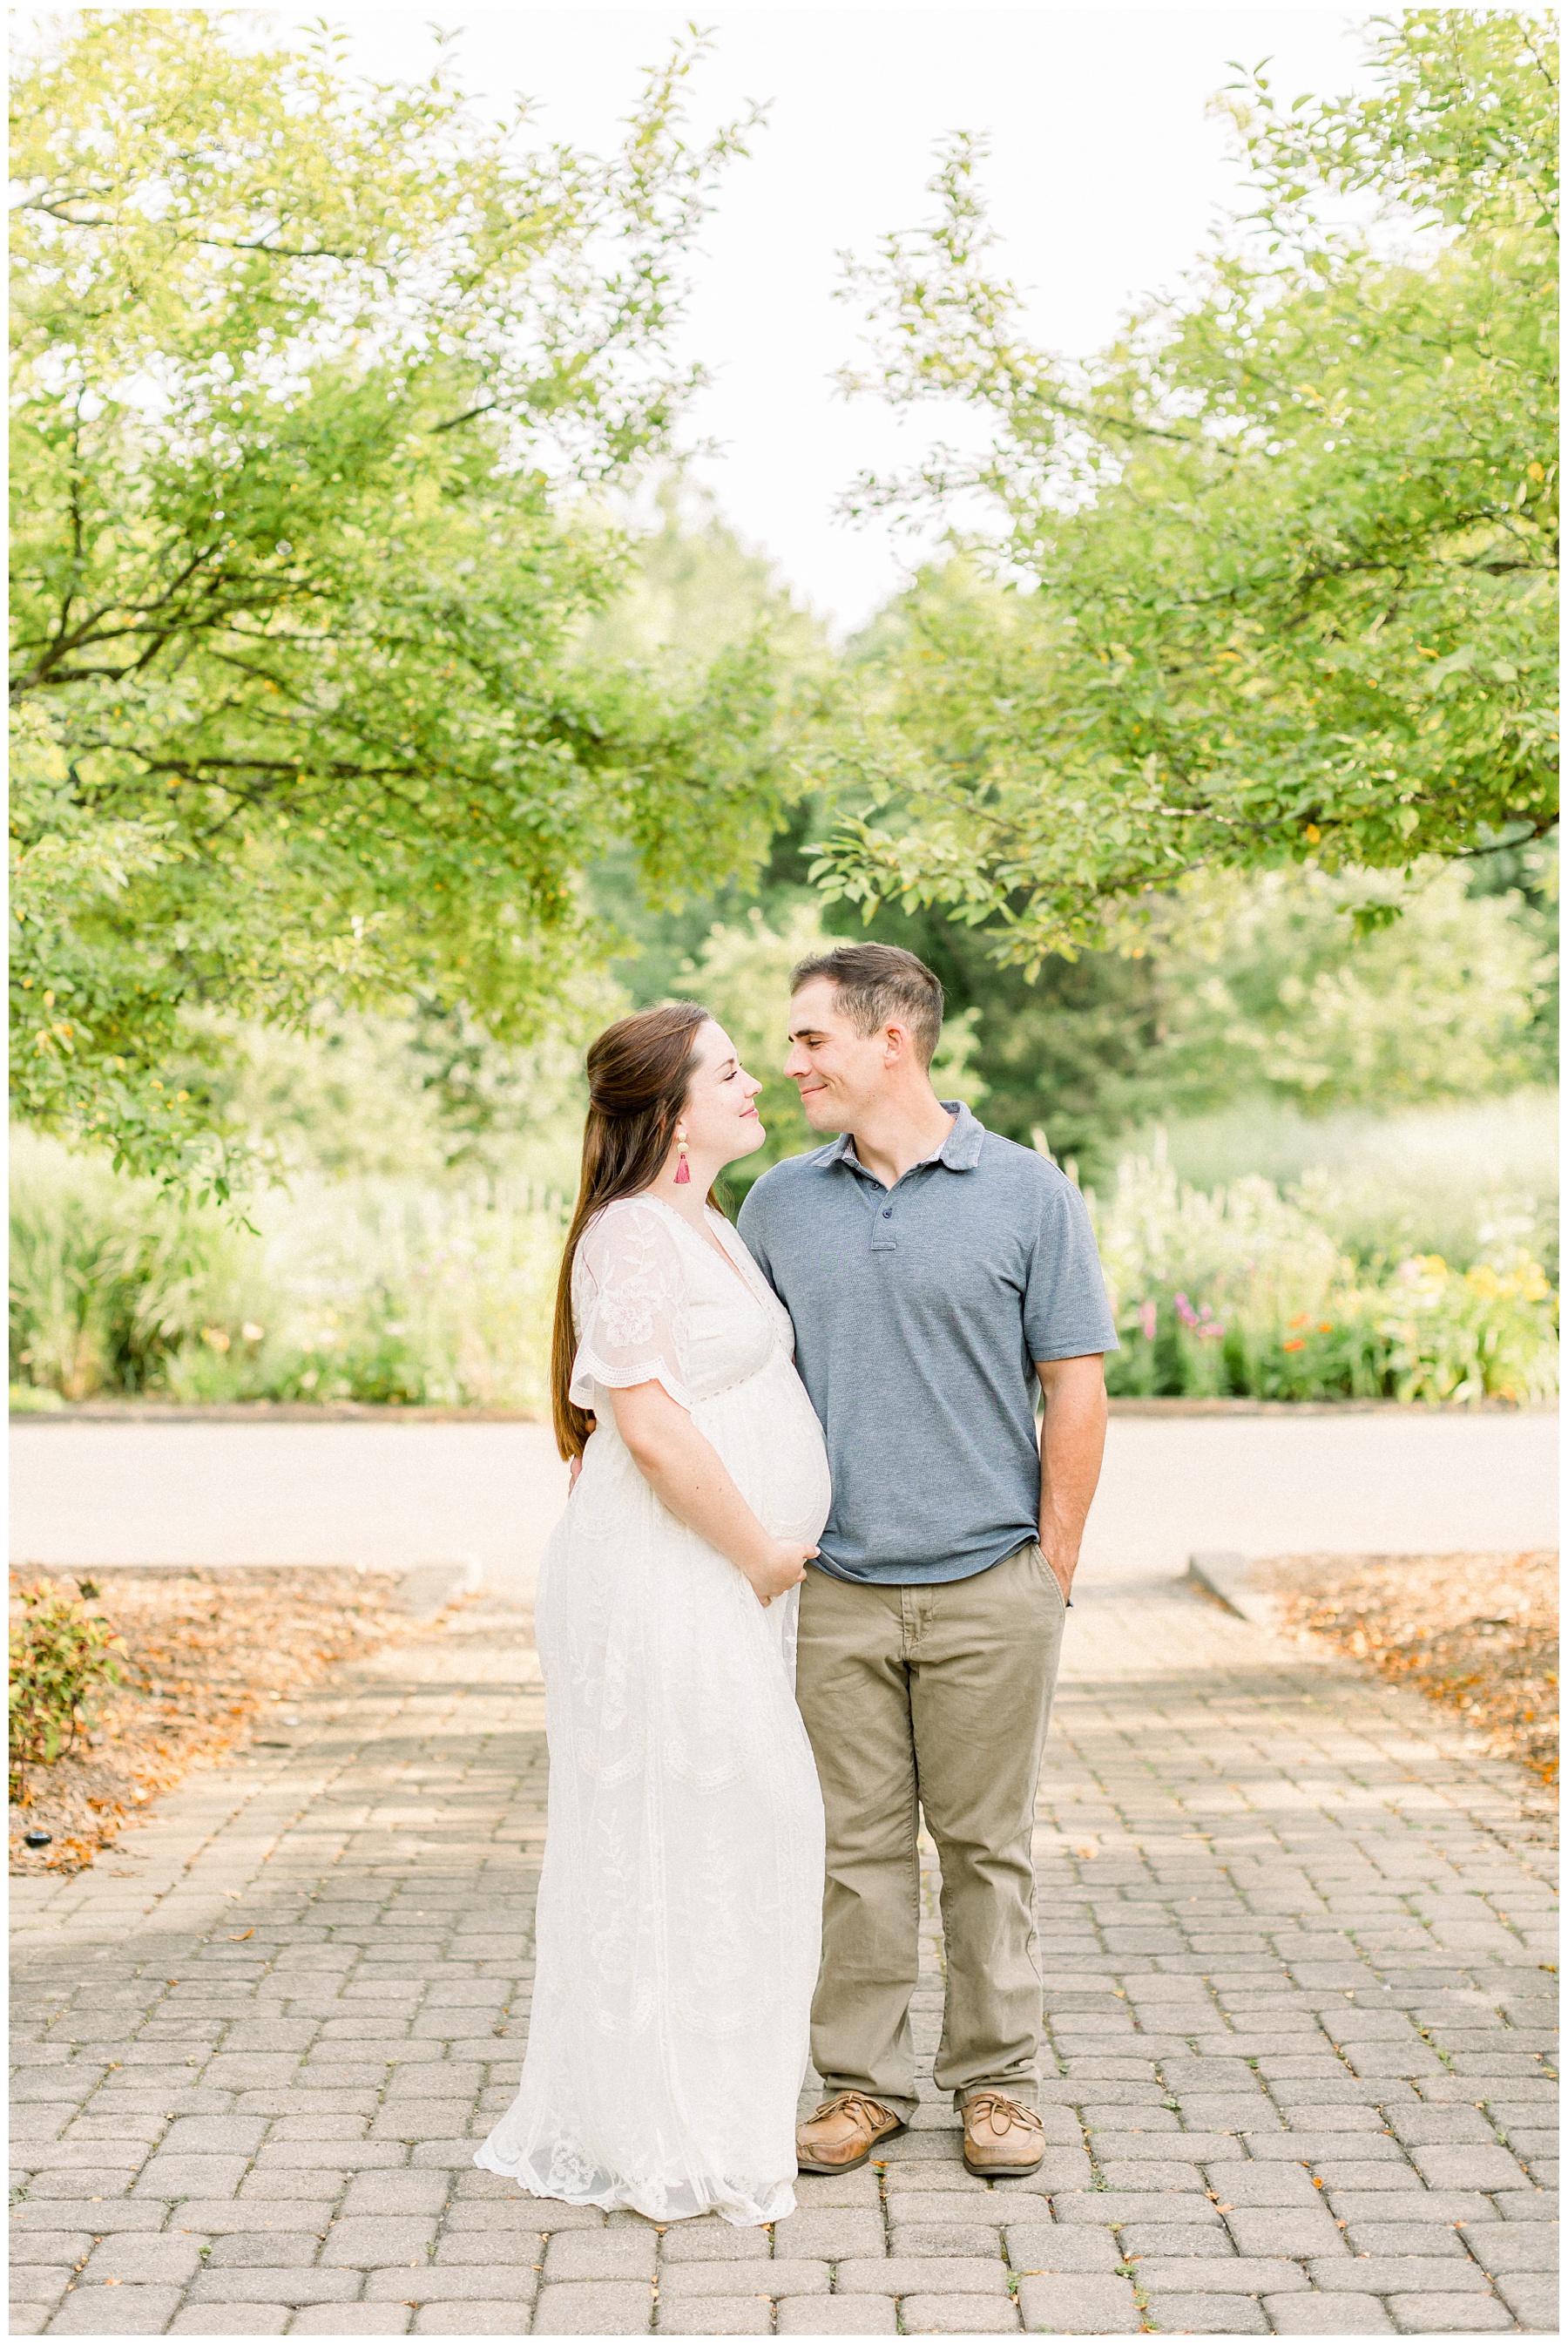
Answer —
887 1212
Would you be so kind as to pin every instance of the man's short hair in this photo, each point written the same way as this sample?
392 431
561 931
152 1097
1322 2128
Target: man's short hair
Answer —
875 984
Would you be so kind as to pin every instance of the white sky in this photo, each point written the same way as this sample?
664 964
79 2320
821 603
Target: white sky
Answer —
1105 176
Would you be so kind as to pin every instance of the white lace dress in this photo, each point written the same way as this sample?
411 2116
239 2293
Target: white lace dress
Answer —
679 1907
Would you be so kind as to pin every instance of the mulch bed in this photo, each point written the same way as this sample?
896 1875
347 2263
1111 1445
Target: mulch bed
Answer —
1475 1631
207 1651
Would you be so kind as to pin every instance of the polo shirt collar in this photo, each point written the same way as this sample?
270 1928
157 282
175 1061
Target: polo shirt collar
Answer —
959 1151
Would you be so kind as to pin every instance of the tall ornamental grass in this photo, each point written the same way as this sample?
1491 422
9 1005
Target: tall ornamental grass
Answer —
366 1289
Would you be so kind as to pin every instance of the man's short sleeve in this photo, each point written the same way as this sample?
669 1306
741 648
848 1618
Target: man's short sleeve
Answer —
1066 1311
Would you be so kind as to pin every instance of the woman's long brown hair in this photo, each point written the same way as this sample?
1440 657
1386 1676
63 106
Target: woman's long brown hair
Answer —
638 1071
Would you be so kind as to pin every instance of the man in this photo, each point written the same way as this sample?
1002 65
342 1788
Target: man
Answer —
934 1272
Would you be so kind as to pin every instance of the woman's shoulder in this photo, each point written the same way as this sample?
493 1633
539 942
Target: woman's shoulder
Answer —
629 1227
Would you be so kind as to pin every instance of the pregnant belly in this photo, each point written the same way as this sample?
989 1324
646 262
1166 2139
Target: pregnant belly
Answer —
767 1432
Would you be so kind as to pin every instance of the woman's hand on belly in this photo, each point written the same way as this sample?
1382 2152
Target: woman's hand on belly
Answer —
777 1573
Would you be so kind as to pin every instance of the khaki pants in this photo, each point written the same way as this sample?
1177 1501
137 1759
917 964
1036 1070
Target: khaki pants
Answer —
935 1698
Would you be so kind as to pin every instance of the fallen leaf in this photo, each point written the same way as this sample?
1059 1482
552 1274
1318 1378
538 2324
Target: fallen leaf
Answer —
250 1932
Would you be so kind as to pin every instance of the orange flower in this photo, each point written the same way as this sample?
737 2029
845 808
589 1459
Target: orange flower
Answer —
1325 1326
1300 1319
1296 1344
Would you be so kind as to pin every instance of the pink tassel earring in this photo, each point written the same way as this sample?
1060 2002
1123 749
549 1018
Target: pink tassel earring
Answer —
682 1169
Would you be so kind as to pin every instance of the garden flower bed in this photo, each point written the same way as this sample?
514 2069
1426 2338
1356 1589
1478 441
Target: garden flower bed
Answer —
1475 1631
202 1657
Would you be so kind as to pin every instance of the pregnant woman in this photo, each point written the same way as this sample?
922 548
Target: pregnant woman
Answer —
681 1902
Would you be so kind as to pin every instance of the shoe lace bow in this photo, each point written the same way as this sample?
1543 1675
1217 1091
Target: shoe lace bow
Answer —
855 2103
1002 2114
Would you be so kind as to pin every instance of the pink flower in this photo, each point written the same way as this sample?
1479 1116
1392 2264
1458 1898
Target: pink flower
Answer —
1148 1318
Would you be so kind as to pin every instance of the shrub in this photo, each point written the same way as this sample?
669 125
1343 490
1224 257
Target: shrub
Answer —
1243 1290
438 1291
110 1280
61 1656
370 1288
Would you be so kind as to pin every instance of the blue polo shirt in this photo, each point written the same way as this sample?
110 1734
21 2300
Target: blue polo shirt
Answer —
920 1311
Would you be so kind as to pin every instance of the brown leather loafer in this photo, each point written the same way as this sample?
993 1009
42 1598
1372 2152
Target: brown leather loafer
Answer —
843 2133
1001 2136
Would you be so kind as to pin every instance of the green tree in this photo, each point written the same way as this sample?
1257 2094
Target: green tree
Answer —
319 388
1280 562
1266 987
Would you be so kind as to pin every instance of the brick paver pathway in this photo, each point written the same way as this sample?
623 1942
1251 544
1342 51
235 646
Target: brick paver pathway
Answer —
1294 1939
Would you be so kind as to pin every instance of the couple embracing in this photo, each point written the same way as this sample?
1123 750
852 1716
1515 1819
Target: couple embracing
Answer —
811 1580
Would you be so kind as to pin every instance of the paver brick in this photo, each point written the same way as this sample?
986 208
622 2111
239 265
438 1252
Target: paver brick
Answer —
1533 2300
143 2257
261 2250
1526 2204
432 2283
1053 2249
956 2314
991 2206
1208 2315
112 2182
1428 2126
1248 2275
66 2248
602 2308
1111 2144
43 2283
306 2284
1512 2246
1403 2239
220 2217
236 2136
510 2247
1128 2173
607 2254
1175 2238
1352 2173
1448 2315
1466 2167
1445 2206
191 2176
117 2311
1255 2187
681 2282
401 2192
357 2319
366 2240
943 2238
1102 2206
1327 2315
829 2233
738 2315
889 2275
1408 2274
520 2214
710 2239
837 2315
1081 2304
233 2319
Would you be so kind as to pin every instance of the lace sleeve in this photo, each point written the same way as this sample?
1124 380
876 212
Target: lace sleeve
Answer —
629 1305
